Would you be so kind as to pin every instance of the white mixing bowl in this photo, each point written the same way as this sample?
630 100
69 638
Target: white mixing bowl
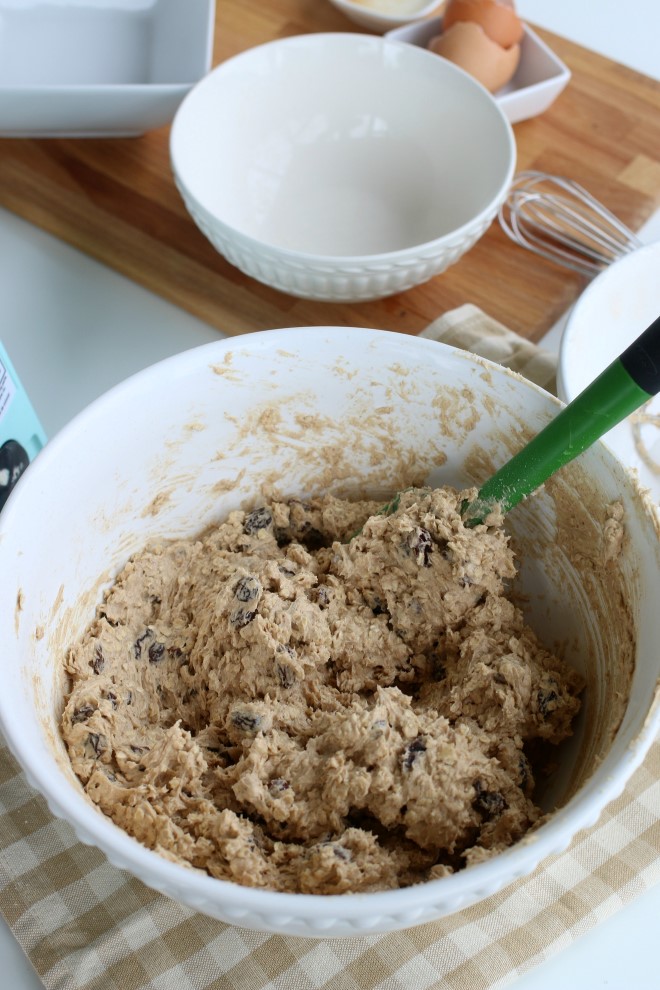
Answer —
341 167
141 462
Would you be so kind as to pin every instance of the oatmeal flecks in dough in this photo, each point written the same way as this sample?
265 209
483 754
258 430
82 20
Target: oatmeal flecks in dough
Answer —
283 706
613 531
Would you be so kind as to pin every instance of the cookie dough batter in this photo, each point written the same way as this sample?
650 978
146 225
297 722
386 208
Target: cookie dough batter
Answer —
286 707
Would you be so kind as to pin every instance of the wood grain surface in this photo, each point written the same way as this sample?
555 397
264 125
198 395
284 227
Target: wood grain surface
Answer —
116 200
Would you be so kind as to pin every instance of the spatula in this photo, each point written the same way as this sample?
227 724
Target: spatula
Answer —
628 382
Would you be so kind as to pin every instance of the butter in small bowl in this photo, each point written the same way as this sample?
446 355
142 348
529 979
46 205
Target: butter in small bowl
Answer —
384 15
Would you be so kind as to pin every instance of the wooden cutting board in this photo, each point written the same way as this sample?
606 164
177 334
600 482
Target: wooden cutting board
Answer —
115 199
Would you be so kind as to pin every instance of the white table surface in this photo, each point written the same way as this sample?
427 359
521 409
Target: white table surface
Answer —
73 328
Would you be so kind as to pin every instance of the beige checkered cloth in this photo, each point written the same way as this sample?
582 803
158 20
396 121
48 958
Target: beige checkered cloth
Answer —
87 926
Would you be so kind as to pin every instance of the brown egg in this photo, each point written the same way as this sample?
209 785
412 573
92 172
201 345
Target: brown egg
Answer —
498 19
468 46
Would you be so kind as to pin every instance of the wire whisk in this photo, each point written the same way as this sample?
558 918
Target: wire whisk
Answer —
558 219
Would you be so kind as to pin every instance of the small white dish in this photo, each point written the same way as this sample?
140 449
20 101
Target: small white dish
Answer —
538 81
99 68
618 305
382 19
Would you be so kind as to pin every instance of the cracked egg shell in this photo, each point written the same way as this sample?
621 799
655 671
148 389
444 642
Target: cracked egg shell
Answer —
468 46
498 19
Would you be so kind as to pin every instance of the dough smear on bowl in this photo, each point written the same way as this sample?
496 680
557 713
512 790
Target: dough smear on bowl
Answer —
283 706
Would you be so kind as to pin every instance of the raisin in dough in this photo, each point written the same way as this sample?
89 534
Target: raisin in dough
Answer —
284 706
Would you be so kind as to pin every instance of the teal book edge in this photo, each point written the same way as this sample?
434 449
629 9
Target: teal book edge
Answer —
21 433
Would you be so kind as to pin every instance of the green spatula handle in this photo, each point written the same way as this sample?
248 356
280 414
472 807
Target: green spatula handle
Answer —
624 386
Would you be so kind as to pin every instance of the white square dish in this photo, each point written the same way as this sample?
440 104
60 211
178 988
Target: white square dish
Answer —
539 79
99 68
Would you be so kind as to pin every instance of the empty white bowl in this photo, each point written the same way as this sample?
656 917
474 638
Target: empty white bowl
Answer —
179 445
341 167
99 68
385 15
